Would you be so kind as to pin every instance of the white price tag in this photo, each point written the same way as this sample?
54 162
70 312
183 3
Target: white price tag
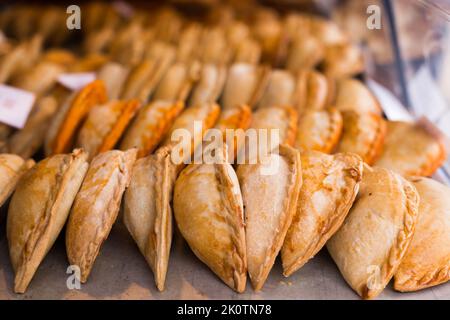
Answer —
15 105
76 81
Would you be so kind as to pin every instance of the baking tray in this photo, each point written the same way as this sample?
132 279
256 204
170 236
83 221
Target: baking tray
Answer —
120 272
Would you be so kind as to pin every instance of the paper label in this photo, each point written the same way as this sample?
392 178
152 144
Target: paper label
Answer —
76 81
15 105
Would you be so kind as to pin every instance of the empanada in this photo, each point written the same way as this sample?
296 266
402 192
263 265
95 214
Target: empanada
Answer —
363 134
39 209
427 260
330 185
150 126
70 116
113 75
39 79
206 115
343 60
270 190
279 118
12 167
147 210
319 130
208 209
353 95
412 149
209 86
370 245
96 207
244 85
27 141
279 91
314 91
105 125
305 52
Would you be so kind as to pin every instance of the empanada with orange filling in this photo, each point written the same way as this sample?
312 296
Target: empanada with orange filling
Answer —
412 149
270 190
330 185
96 207
150 126
229 121
39 209
205 115
27 141
105 125
343 60
279 91
319 130
363 134
12 167
353 95
273 118
70 116
427 260
147 210
373 239
244 85
208 210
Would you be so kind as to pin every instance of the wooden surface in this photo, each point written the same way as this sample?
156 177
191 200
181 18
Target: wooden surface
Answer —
120 272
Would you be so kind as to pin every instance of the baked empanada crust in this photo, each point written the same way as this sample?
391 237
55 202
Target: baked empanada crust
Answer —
39 209
209 213
150 126
330 185
373 239
411 149
319 130
353 95
12 167
427 260
270 202
96 207
147 210
363 134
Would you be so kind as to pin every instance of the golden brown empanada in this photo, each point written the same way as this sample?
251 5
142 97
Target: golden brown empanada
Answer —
305 52
277 117
147 210
370 245
412 149
27 141
96 207
270 190
330 185
279 91
319 130
150 126
247 51
113 75
70 116
314 91
208 209
12 167
39 209
209 86
244 85
206 114
40 78
343 60
363 134
105 125
88 63
353 95
176 84
427 260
